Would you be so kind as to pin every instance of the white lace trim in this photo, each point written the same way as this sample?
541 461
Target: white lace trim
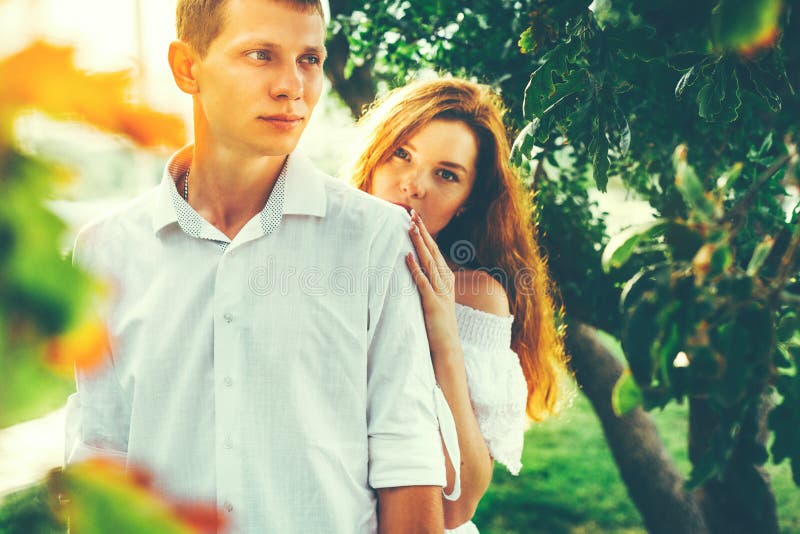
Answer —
483 330
497 386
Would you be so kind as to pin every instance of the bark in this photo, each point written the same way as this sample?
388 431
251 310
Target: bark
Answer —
654 483
741 501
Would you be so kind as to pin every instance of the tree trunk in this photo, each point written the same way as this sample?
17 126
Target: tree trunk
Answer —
357 90
742 500
654 483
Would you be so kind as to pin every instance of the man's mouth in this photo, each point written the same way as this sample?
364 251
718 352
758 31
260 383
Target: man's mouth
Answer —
283 122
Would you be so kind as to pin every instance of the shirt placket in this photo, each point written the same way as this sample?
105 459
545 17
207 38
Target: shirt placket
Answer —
227 386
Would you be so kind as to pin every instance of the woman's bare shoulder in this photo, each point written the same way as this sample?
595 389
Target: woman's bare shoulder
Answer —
478 289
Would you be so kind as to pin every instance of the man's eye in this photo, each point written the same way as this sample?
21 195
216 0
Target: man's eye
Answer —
402 153
312 60
259 55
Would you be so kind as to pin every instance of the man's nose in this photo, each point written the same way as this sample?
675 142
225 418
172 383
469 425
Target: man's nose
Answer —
288 83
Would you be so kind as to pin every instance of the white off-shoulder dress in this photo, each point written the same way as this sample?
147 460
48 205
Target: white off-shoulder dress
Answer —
497 387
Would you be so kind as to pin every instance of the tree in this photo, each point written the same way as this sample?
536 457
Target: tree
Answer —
692 105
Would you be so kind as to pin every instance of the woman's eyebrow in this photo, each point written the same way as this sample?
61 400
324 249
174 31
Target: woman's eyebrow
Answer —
453 165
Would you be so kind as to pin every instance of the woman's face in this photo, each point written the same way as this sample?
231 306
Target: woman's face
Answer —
433 172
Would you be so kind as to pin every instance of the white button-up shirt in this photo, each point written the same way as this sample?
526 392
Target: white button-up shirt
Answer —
283 374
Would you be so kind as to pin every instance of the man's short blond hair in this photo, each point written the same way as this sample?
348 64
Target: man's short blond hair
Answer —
199 22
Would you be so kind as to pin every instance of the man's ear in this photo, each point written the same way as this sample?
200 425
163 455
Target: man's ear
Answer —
183 62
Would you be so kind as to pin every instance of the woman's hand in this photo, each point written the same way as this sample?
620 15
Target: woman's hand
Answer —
435 282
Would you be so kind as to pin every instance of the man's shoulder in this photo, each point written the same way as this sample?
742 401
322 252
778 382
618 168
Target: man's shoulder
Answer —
121 223
349 201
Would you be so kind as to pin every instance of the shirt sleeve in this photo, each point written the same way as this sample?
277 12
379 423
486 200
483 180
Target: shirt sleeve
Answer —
98 414
405 447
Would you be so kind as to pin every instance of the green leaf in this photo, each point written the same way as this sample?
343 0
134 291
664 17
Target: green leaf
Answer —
721 259
633 43
726 182
719 98
639 333
761 83
527 43
742 25
541 90
690 187
598 152
621 246
30 389
760 255
626 395
788 327
709 100
524 143
687 80
781 358
619 133
733 99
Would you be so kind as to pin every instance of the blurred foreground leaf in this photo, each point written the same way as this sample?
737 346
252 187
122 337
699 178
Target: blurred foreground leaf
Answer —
101 496
44 77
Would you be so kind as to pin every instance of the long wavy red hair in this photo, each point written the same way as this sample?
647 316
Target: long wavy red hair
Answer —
497 217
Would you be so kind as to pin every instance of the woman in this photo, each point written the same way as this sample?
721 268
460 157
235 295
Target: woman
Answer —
438 148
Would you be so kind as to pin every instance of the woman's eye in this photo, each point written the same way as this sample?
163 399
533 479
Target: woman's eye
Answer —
448 175
259 55
402 153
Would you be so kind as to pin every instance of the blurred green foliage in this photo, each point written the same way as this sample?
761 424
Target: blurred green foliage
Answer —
45 301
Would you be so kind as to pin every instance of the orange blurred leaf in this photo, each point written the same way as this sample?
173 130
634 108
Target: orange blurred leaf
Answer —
83 347
45 77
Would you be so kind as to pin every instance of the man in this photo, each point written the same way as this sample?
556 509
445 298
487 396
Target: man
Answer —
238 373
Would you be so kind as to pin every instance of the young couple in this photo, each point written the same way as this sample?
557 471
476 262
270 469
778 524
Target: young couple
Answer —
295 409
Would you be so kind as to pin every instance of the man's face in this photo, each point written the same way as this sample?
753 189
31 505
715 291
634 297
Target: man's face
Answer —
261 77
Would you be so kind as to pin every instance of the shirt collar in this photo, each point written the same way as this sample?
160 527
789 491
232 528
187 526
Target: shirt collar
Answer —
304 188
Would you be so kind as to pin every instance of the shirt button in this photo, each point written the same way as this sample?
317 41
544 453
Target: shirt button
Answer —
228 318
228 381
228 506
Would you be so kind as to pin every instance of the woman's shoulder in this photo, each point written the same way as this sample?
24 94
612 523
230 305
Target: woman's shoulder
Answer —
479 290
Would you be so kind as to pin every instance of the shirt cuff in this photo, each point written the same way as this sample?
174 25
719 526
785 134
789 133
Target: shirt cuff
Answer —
406 462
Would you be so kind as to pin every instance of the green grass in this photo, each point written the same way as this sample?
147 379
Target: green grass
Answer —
569 482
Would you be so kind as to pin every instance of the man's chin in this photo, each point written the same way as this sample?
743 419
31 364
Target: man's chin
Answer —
278 146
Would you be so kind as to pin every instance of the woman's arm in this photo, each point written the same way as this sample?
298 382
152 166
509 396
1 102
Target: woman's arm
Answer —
435 281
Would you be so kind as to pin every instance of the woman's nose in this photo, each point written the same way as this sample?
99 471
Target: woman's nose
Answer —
413 185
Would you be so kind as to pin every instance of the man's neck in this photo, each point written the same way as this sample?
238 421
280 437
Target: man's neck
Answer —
228 188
